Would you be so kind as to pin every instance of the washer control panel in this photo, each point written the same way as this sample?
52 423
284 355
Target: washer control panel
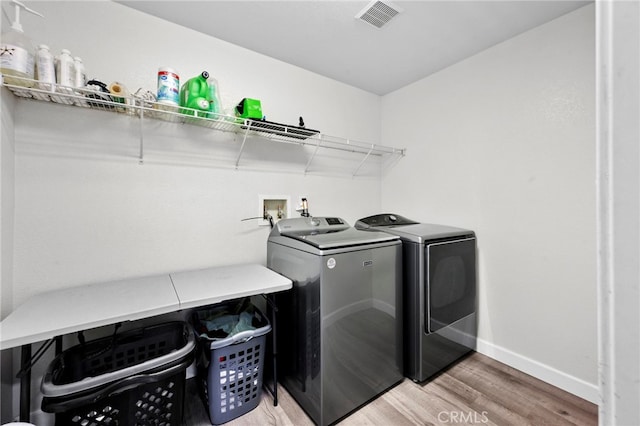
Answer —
309 225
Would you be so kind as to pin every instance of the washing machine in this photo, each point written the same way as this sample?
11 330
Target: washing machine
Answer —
439 291
340 326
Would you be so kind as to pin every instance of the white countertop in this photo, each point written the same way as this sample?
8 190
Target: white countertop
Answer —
69 310
215 285
73 309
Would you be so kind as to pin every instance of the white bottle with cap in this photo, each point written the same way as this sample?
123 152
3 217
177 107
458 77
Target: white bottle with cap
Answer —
16 58
80 76
65 76
65 69
79 72
45 72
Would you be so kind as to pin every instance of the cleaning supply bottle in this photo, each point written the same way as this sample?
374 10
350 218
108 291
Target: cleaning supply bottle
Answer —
65 69
45 68
195 94
65 76
45 72
79 81
80 76
16 52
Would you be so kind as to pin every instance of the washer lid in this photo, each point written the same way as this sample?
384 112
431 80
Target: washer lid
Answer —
423 232
344 238
326 232
409 230
384 219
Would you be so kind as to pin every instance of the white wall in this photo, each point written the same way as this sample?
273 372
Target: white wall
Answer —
86 211
503 143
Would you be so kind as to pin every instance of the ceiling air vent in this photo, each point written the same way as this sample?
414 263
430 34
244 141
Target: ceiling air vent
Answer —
378 13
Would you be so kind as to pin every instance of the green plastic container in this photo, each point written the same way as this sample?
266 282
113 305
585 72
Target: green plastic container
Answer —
249 108
195 94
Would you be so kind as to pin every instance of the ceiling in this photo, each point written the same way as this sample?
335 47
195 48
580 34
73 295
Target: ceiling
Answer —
325 37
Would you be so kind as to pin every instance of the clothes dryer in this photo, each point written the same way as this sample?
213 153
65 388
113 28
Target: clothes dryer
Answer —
439 291
340 326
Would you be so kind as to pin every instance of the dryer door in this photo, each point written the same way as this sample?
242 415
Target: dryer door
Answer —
450 282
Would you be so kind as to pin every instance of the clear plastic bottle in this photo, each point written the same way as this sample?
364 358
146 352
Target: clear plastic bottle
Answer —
17 60
16 52
215 108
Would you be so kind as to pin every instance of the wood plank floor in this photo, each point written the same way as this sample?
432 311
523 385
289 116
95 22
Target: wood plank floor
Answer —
476 390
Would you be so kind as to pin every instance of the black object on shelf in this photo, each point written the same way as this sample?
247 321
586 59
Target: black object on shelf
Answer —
99 86
294 132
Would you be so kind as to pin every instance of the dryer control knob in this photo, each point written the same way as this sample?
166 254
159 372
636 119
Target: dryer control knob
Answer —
392 218
315 222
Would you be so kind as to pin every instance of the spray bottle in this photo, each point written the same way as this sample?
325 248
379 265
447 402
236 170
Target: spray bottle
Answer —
16 52
195 94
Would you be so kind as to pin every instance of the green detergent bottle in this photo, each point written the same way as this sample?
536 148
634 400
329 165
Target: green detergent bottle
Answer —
195 94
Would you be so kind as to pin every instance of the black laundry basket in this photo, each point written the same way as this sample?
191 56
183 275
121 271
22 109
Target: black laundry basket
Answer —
136 378
231 368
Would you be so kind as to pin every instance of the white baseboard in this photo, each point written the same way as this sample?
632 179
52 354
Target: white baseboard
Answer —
564 381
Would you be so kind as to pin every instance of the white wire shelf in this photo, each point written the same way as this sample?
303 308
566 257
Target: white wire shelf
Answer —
147 109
